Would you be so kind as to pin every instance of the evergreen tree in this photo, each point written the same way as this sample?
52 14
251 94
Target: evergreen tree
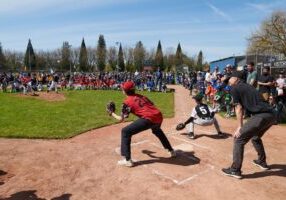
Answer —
101 53
159 58
139 56
179 56
200 61
30 57
2 59
83 66
120 61
66 57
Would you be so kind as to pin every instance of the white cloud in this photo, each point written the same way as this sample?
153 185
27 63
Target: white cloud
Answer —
219 12
260 7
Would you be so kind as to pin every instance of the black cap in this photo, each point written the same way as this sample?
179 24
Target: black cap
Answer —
237 74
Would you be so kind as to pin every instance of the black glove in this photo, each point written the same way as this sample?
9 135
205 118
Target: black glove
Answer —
180 126
110 107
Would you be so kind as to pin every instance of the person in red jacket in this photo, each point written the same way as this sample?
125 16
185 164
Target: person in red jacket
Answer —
149 116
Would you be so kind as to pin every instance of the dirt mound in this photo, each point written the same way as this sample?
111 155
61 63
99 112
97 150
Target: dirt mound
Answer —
51 96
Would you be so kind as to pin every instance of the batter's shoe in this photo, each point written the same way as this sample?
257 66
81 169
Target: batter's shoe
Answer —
191 135
126 163
220 134
263 166
231 172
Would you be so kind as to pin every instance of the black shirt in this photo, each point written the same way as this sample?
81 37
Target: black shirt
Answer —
203 111
265 79
248 97
33 81
56 78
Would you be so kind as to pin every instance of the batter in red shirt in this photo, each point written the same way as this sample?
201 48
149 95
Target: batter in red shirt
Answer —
150 117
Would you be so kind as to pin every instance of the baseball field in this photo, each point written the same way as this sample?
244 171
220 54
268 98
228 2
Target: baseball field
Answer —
84 167
64 115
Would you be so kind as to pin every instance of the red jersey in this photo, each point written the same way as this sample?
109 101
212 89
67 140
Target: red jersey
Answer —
142 107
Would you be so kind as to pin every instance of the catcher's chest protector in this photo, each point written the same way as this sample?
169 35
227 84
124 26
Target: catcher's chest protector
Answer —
203 111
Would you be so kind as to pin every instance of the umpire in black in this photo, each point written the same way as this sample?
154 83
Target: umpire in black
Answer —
247 98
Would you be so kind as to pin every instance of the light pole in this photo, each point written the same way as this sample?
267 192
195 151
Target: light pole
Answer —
117 61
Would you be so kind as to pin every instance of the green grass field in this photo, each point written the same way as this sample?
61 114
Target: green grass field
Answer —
22 117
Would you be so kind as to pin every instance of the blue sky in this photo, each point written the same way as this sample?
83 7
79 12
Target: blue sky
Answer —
217 27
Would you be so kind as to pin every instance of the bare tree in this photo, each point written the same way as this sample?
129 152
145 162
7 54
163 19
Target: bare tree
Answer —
129 58
271 36
75 58
14 60
91 58
112 57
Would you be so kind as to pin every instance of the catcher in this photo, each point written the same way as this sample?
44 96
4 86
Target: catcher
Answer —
201 115
150 117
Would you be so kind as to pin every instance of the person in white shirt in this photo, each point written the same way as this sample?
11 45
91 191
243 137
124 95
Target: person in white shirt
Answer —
208 76
281 84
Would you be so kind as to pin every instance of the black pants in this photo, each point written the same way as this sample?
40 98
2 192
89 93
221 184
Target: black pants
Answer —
253 129
137 127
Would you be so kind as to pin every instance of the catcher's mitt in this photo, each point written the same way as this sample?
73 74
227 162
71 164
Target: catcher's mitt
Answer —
180 126
110 107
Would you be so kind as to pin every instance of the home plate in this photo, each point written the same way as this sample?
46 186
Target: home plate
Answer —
180 170
184 147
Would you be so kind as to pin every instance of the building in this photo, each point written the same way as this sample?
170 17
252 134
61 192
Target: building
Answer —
238 61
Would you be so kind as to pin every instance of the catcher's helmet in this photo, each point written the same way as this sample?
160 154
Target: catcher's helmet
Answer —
198 97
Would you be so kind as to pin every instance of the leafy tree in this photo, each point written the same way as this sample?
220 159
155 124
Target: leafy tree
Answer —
199 66
83 64
101 53
66 57
179 56
159 58
120 61
139 56
30 57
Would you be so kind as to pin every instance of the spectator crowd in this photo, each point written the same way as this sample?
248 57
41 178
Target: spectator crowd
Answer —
33 82
210 84
217 93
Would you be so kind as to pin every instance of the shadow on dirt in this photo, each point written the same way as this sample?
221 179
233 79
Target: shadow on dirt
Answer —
2 173
30 195
215 136
183 159
275 170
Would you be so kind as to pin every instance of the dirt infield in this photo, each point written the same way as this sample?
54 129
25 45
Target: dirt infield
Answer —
84 167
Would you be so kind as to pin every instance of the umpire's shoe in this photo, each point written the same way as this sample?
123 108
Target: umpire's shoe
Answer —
231 172
173 154
263 165
126 163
